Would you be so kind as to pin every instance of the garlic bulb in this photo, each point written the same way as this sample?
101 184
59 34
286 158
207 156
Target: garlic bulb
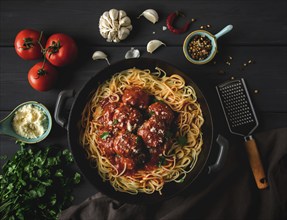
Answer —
151 15
100 55
115 25
153 45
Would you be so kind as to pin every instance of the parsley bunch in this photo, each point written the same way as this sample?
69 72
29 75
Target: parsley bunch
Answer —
36 183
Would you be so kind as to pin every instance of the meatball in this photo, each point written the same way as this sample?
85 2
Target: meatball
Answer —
126 144
127 118
129 148
162 111
153 132
105 141
136 97
121 162
108 112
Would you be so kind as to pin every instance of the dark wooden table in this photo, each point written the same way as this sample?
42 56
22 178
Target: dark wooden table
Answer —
259 34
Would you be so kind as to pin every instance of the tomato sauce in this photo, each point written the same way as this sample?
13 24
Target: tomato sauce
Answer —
133 132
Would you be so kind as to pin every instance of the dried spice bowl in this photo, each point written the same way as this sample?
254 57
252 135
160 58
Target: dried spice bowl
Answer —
200 46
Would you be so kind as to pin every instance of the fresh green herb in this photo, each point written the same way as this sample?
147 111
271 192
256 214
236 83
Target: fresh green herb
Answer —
168 134
116 121
139 140
181 180
161 161
36 183
151 113
182 140
105 135
157 100
3 157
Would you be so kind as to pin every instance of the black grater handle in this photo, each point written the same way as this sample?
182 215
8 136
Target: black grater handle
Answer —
255 163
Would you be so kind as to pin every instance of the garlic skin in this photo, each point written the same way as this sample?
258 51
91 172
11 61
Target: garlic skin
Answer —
132 53
151 15
153 45
115 25
100 55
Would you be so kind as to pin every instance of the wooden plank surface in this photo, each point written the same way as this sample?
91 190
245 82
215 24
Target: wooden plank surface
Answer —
262 76
259 34
255 22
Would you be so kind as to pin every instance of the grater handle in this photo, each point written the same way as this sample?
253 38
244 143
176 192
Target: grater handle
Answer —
255 163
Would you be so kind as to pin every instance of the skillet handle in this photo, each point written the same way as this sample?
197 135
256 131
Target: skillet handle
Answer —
223 150
59 108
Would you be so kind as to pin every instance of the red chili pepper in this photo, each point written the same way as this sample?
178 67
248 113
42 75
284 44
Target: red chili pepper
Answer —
169 23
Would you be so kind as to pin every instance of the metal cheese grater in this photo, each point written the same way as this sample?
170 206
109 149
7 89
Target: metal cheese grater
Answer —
242 120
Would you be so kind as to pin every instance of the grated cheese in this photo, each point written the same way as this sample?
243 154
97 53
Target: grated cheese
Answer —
29 121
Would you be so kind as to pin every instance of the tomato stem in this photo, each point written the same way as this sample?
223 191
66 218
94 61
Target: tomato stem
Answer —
39 42
54 48
28 43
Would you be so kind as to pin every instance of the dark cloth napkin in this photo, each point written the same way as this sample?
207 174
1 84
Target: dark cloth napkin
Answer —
229 194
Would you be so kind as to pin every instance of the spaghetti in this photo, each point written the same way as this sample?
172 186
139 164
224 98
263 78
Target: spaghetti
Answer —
185 145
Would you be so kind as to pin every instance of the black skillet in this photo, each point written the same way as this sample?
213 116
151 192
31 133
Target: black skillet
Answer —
72 126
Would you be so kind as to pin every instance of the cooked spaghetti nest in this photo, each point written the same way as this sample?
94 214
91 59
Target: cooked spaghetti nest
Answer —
179 160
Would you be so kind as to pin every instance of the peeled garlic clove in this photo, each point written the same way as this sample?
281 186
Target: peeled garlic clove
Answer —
132 53
151 15
114 14
153 45
100 55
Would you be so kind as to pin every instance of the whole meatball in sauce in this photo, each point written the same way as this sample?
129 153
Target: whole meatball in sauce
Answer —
153 131
162 111
130 149
136 97
108 112
127 118
126 144
105 140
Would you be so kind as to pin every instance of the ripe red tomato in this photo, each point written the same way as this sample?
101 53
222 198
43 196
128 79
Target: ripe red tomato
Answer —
27 46
42 76
61 49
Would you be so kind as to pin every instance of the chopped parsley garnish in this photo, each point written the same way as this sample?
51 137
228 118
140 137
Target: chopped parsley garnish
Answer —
168 134
182 140
105 135
161 161
115 121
